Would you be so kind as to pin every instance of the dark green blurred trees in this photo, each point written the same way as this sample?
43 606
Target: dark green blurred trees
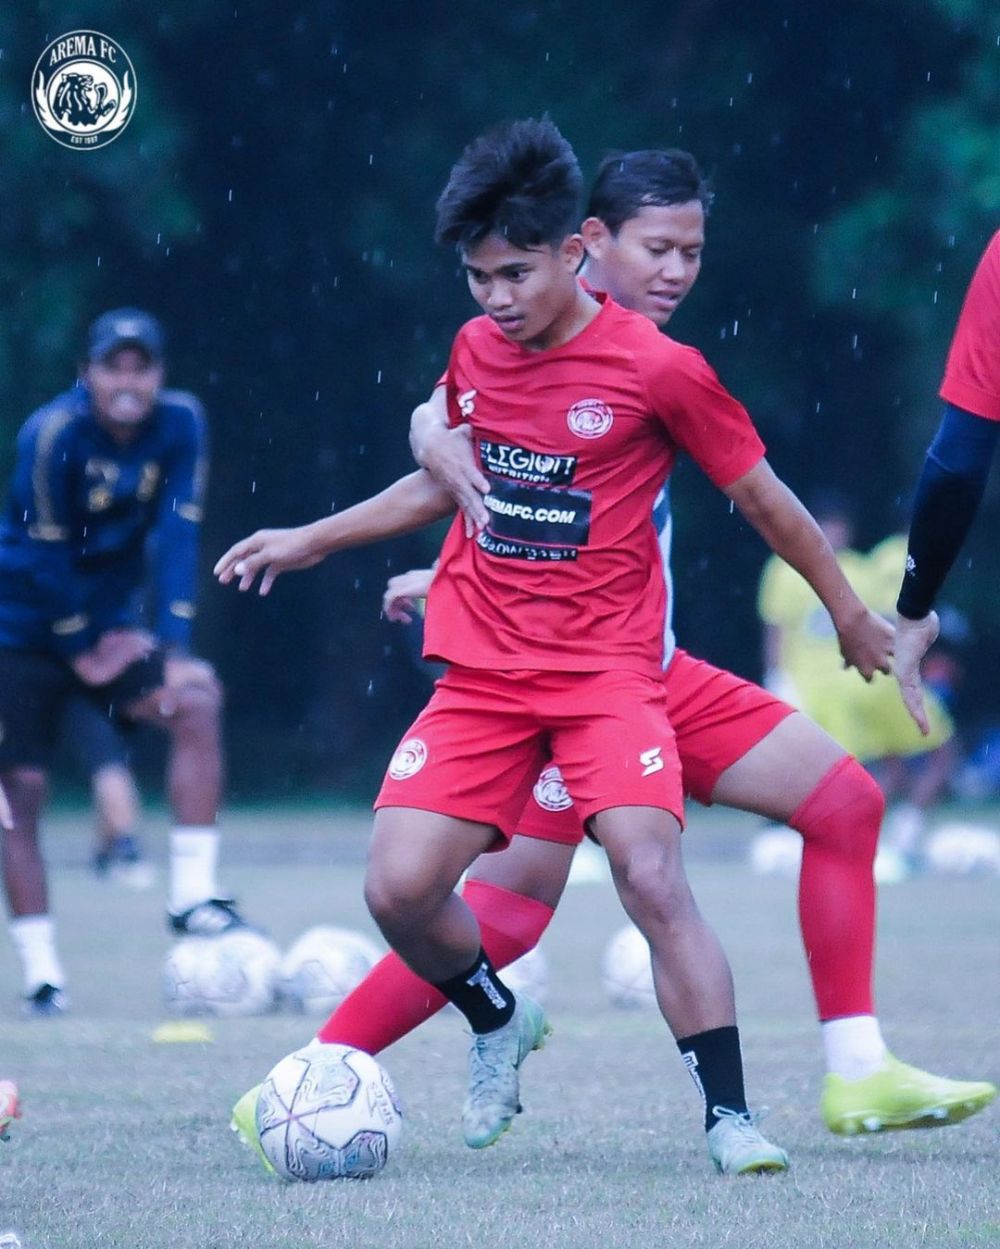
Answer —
273 198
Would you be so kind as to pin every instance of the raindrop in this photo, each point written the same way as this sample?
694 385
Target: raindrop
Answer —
230 195
158 237
736 328
371 158
749 79
854 292
371 684
98 262
316 397
854 342
934 300
253 487
378 378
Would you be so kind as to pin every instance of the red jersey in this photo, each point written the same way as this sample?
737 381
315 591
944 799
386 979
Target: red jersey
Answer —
576 442
972 374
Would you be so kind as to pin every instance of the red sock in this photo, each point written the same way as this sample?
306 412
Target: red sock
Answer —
839 823
392 1000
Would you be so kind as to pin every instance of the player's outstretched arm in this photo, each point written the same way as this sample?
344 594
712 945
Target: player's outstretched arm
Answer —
866 639
408 504
447 455
914 638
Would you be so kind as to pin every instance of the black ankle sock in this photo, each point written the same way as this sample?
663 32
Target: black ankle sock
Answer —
480 995
716 1065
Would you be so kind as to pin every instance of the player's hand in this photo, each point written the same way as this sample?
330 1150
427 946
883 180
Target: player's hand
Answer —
914 639
111 654
402 591
6 815
867 642
448 456
270 552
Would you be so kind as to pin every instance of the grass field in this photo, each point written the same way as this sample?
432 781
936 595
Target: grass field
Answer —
124 1141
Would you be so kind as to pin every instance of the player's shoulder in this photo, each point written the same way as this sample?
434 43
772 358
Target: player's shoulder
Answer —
652 349
181 409
57 419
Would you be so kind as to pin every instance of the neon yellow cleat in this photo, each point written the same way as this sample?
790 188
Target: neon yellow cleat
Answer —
244 1123
899 1097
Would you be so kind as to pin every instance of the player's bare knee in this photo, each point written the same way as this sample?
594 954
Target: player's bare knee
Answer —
653 876
198 709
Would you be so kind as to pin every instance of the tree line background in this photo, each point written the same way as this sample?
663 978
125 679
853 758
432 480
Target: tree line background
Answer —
272 201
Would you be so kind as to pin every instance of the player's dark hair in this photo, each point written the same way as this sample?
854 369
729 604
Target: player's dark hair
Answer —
628 181
520 181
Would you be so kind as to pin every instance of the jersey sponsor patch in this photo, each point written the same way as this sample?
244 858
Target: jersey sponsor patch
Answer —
651 760
535 522
590 418
409 758
550 790
499 459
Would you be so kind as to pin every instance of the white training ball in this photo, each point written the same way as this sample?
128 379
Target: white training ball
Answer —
234 973
964 850
529 975
627 971
328 1112
776 852
324 965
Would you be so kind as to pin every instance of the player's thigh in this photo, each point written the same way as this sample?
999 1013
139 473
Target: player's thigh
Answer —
417 856
473 753
614 745
34 688
531 866
776 775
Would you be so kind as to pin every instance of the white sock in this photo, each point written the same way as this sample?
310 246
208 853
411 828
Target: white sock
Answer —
854 1046
194 852
34 937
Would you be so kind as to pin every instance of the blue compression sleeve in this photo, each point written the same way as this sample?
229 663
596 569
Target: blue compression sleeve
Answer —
948 495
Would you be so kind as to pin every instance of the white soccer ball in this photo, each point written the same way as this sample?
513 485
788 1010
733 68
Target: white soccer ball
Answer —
324 965
627 970
964 850
528 975
776 852
328 1112
235 973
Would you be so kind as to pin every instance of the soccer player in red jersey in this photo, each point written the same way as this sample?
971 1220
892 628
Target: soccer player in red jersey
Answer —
738 745
954 473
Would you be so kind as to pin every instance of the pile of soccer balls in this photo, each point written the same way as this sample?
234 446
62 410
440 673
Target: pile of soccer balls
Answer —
242 972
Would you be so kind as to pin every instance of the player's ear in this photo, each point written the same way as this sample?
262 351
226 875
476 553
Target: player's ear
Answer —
572 252
596 237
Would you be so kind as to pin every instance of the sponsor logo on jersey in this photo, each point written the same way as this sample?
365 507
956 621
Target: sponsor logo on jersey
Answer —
535 522
83 90
590 418
409 758
536 467
467 403
550 790
651 760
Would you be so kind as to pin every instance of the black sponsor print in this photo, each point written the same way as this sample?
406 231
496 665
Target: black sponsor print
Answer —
535 522
518 463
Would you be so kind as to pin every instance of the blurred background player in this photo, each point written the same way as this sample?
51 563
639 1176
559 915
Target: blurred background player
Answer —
802 662
100 471
98 747
954 475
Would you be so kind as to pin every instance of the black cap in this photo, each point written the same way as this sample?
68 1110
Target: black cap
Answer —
125 327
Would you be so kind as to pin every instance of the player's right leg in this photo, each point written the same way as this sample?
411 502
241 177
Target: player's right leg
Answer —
33 688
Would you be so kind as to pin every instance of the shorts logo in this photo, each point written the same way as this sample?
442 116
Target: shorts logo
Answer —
409 758
467 403
83 90
651 761
550 791
590 418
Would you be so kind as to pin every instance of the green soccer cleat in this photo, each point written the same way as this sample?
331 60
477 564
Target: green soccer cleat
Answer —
898 1097
737 1146
494 1060
244 1123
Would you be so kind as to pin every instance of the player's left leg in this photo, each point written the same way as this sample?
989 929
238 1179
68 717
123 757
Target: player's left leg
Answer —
186 702
798 775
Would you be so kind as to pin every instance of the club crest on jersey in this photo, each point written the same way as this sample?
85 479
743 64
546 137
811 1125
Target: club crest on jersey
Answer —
590 418
83 90
409 758
550 791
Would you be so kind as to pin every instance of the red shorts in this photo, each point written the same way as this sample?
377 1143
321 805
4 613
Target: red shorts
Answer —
476 749
716 717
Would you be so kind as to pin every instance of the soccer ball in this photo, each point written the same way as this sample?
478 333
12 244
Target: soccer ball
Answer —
328 1112
235 973
964 850
528 975
776 852
323 966
627 970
